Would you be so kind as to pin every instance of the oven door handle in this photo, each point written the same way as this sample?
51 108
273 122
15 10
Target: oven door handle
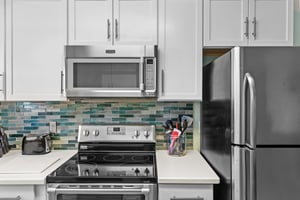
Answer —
101 191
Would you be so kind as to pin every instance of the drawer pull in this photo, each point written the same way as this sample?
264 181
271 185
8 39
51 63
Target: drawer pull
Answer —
197 198
11 198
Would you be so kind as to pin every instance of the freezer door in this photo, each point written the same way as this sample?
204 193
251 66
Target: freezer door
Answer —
275 73
272 173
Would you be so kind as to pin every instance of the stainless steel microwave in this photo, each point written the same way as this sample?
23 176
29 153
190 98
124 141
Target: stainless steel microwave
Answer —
111 71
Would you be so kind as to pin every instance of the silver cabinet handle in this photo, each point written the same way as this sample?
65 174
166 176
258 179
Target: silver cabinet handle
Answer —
11 198
3 82
61 82
254 27
116 29
246 27
162 81
197 198
108 29
248 80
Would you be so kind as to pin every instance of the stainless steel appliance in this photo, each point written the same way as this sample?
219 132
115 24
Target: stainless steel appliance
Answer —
113 162
111 71
36 144
250 125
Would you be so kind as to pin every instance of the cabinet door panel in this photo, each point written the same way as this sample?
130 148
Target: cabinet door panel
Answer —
36 35
185 192
180 50
225 22
24 192
90 21
135 21
273 21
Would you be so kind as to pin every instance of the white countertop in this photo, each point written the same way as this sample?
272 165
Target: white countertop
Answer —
188 169
34 168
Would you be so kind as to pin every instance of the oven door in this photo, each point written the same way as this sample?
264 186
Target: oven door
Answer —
102 192
105 77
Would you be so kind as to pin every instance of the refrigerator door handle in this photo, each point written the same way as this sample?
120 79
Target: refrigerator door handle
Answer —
252 175
248 80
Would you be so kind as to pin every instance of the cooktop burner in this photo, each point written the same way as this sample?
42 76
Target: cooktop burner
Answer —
106 167
110 154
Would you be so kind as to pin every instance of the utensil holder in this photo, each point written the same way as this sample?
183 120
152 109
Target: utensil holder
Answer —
176 145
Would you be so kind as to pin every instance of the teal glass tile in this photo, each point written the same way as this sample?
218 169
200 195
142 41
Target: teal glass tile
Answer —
67 116
148 119
119 119
97 116
2 114
66 123
126 116
31 128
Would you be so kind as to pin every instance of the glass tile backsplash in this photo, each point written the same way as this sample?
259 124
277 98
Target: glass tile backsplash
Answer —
21 118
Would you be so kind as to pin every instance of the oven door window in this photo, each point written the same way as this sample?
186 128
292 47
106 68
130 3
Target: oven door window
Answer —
100 197
106 75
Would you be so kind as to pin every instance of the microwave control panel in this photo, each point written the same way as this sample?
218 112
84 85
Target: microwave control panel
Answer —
150 75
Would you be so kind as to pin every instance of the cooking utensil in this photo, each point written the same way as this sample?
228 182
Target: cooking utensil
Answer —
188 119
168 126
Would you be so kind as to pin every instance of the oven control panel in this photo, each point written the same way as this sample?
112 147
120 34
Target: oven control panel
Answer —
116 133
115 171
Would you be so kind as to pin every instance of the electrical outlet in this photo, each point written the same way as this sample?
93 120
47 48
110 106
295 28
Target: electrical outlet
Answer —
52 127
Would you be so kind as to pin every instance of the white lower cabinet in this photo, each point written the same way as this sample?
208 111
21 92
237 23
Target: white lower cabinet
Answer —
23 192
185 192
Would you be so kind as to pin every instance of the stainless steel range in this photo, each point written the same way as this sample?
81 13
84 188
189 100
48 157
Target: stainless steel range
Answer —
114 162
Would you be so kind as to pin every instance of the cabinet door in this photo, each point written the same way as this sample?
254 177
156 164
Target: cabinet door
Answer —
23 192
185 191
225 22
36 35
2 54
180 50
271 22
90 21
135 22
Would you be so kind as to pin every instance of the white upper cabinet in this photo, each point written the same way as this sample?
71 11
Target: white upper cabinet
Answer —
2 50
271 22
248 22
36 32
180 50
90 21
109 22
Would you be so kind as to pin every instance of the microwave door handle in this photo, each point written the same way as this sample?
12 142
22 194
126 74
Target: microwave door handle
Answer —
142 85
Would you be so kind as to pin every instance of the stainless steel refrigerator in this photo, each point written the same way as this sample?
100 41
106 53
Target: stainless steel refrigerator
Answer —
250 123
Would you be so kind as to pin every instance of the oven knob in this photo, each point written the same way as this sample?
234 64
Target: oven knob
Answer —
147 171
86 172
86 133
146 133
136 133
96 132
137 171
96 172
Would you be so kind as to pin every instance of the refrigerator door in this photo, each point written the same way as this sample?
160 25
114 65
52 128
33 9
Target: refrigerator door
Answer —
275 74
217 121
272 173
